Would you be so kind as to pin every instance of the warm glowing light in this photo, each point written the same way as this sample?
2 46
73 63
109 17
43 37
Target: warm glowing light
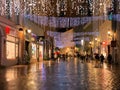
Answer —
96 39
90 42
109 32
29 31
103 42
101 4
82 42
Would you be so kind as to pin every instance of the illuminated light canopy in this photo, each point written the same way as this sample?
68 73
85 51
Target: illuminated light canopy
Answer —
63 22
56 13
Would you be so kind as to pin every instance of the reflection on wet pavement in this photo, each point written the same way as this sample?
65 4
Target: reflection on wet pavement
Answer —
60 75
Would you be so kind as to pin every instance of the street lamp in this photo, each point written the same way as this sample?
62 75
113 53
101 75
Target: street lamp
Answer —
96 39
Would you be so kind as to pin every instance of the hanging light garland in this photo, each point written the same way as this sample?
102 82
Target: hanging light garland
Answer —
70 12
9 8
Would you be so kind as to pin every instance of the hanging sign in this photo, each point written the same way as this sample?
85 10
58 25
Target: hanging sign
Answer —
7 29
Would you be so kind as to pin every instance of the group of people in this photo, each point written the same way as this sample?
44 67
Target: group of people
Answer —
100 59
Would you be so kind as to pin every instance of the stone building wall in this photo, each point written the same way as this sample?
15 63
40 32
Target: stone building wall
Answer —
0 45
118 42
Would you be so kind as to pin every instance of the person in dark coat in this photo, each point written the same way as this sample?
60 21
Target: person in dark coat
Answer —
101 59
97 57
97 60
109 58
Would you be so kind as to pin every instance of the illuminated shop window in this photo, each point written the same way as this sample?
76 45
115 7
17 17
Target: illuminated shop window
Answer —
10 50
41 52
11 47
34 51
10 38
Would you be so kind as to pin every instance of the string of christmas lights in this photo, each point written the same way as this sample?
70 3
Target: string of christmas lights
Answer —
56 13
63 22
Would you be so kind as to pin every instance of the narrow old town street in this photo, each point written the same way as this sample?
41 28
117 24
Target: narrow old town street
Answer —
60 75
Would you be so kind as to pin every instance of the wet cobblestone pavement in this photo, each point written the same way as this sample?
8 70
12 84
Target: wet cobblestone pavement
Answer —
60 75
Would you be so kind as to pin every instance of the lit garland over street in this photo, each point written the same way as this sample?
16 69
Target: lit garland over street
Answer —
56 13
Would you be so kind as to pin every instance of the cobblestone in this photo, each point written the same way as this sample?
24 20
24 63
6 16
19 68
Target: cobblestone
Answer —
60 75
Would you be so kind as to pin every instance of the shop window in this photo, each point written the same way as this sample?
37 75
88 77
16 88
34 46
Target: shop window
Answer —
10 50
34 51
10 38
11 47
41 52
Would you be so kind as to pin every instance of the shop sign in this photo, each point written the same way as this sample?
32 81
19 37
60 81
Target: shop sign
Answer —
10 31
7 29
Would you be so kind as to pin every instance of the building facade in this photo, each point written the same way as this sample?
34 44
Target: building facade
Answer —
101 42
13 30
116 30
10 42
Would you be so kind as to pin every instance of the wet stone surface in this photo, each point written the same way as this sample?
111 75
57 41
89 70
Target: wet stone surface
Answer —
60 75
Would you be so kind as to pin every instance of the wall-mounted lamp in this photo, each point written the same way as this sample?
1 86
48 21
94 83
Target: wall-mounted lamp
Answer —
110 33
90 42
29 31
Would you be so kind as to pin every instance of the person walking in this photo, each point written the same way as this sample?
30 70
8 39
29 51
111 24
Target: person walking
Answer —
101 59
87 58
97 60
109 58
